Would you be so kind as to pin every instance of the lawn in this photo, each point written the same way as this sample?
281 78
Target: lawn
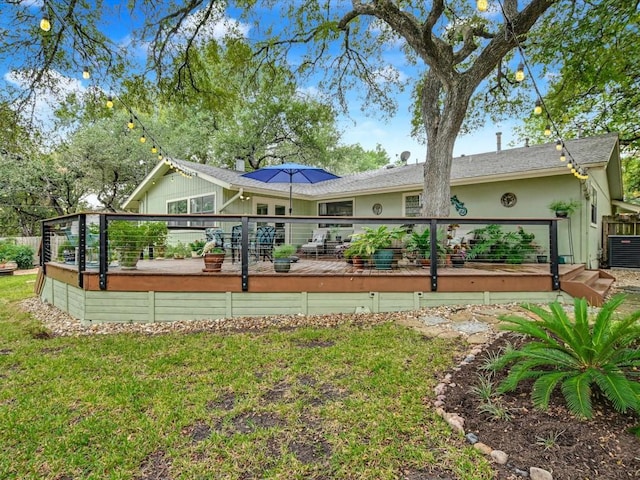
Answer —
346 402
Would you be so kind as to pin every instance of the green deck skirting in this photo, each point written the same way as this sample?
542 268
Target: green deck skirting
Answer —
126 307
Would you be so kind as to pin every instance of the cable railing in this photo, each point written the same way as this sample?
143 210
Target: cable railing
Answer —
250 244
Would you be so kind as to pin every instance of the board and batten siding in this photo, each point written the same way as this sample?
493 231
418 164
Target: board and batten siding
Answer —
142 307
176 187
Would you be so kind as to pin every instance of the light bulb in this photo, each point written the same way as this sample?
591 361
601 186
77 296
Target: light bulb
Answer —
569 165
547 130
563 156
131 124
573 170
143 139
482 5
520 73
159 156
154 149
558 145
45 23
109 101
538 108
85 73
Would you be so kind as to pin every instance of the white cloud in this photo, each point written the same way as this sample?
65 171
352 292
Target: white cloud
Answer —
391 74
218 26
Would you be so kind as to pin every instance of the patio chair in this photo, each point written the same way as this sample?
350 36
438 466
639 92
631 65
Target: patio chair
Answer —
317 242
236 242
215 234
265 236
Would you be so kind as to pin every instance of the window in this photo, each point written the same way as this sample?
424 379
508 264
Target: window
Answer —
179 206
412 205
343 208
202 205
195 205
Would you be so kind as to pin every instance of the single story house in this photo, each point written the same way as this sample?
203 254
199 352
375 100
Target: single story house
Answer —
510 183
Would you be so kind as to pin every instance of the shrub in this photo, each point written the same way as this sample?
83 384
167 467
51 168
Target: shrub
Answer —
577 355
21 254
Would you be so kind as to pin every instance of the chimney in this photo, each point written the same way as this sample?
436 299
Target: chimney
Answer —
498 141
239 165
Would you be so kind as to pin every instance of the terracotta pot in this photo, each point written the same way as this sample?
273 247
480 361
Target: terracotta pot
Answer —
213 262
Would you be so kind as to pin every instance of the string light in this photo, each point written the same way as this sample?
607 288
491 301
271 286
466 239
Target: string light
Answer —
559 145
109 101
569 165
45 23
143 138
482 5
547 130
520 72
563 156
538 108
85 73
154 149
131 125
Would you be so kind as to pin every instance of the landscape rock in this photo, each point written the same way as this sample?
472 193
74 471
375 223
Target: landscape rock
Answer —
539 474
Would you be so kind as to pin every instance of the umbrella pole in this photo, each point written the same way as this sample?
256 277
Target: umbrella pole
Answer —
290 203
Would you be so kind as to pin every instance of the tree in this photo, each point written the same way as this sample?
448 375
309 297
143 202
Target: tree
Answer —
457 48
594 76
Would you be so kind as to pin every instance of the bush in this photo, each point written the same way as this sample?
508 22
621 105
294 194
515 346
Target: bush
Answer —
577 355
21 254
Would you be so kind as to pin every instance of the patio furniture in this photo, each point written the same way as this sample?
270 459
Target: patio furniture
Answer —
265 236
317 242
236 242
215 235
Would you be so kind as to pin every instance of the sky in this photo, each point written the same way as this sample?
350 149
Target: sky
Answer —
368 130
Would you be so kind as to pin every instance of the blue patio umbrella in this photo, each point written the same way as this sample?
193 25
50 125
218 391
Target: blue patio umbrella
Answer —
290 173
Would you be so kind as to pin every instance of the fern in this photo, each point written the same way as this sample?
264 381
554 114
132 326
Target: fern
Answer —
577 354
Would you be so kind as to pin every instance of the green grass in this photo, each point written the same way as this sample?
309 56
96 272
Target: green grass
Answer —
311 403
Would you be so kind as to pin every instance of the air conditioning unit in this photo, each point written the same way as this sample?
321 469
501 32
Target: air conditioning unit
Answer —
624 251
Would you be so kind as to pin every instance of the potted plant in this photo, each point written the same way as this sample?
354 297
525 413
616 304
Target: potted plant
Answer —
196 247
358 251
180 251
157 233
377 243
419 243
458 256
564 208
128 238
282 257
213 256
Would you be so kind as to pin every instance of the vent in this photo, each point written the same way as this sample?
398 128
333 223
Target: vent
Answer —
624 251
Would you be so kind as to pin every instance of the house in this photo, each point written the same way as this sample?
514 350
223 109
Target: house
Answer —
511 183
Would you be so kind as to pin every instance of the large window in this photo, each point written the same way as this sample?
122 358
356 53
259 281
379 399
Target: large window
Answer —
343 208
203 204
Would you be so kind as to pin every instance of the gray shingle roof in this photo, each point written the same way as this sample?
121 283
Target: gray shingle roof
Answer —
516 162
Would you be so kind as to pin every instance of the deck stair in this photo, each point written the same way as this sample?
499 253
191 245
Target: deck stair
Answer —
590 284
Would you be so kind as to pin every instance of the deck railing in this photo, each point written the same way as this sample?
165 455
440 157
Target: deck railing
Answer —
92 241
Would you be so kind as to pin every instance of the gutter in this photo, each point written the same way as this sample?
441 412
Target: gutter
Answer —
231 200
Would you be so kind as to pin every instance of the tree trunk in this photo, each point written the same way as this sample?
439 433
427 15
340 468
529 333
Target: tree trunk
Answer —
443 111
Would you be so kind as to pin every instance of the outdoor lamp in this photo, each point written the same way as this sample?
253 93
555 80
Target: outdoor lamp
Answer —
563 156
45 23
154 149
520 72
538 108
85 73
109 101
143 138
159 156
547 130
559 145
482 5
569 165
130 124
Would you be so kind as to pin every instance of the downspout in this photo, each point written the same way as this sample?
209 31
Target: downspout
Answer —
231 200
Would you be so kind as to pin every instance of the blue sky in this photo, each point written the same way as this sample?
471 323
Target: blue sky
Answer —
393 134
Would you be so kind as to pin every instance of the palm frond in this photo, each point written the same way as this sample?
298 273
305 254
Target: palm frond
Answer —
527 327
583 337
520 371
616 387
577 393
553 357
543 388
603 319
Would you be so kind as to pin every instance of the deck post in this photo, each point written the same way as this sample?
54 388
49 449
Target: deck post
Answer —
245 254
104 253
82 250
553 253
433 268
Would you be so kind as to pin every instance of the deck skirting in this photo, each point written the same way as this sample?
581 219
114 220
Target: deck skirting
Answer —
105 306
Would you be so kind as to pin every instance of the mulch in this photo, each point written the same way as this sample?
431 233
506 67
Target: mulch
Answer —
555 440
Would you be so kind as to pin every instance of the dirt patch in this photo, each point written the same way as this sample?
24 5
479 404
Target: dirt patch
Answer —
155 467
225 402
315 344
198 432
310 448
250 422
554 439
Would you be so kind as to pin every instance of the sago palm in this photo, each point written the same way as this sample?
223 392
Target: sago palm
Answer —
577 354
